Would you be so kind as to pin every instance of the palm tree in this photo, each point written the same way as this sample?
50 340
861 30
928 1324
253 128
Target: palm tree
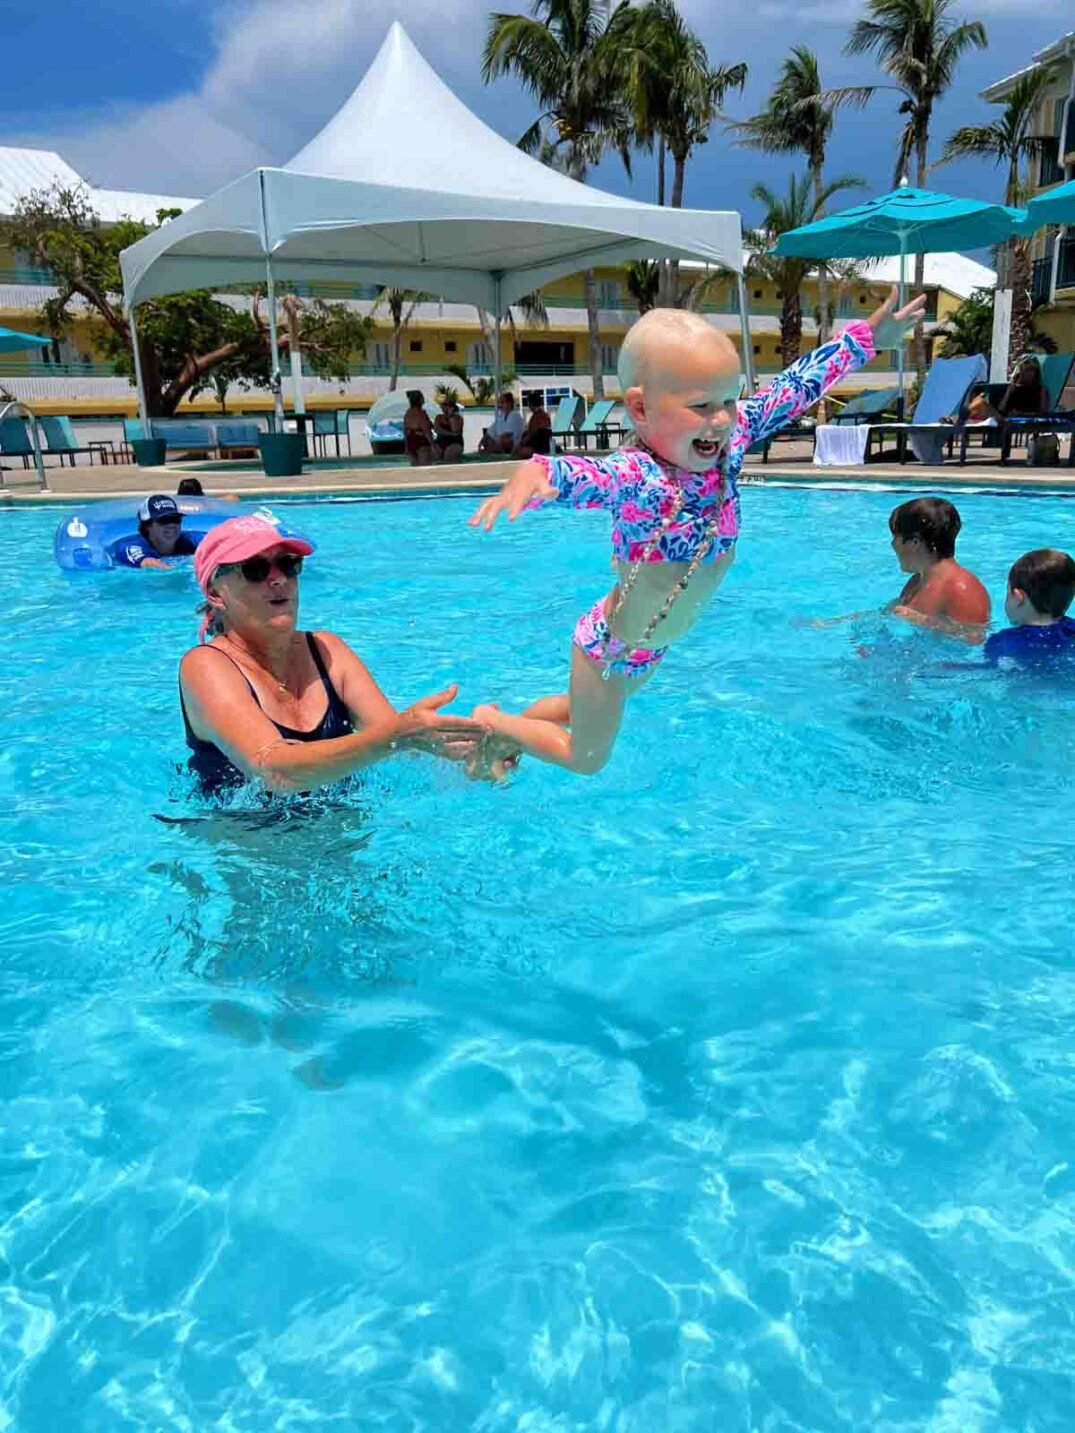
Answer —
566 55
644 283
796 120
675 94
401 304
919 45
799 206
1010 141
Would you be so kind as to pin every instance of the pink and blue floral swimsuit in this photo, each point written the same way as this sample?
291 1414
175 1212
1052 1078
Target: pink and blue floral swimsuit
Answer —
641 490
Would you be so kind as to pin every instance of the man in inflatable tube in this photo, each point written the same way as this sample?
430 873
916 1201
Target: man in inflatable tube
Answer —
160 535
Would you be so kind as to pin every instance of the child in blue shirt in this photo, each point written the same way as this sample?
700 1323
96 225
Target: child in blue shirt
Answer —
1041 586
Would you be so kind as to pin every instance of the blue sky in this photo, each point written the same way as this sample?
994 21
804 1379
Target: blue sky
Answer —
179 96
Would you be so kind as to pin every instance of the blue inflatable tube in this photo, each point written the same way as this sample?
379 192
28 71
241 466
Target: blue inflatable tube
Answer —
84 538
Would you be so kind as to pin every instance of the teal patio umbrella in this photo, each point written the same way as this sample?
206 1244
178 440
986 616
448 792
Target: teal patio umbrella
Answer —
1056 206
11 341
907 221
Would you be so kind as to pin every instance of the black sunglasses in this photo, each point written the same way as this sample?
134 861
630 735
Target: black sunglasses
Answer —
256 569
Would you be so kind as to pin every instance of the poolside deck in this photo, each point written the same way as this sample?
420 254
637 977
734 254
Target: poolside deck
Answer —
789 461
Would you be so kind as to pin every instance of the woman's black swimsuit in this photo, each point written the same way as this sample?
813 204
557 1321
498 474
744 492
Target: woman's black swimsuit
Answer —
216 772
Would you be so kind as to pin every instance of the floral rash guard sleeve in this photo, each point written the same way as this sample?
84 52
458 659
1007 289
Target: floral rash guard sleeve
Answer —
802 385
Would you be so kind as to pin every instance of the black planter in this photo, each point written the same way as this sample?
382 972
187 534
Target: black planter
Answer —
282 454
149 452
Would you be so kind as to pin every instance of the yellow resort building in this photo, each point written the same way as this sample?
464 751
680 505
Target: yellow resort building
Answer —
73 376
1053 283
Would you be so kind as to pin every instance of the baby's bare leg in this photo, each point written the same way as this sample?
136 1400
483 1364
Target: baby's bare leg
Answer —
595 709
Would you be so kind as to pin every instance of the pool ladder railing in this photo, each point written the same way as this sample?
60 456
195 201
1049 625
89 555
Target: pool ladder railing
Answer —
16 409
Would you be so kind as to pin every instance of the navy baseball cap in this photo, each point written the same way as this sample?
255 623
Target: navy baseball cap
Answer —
160 507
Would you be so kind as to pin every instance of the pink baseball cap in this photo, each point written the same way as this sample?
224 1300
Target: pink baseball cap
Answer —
239 538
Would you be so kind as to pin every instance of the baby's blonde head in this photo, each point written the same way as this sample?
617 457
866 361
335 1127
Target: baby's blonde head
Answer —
659 336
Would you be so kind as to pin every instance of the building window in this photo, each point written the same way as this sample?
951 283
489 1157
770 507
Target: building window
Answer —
610 357
379 355
1050 170
757 293
608 293
450 346
415 345
757 349
864 298
479 356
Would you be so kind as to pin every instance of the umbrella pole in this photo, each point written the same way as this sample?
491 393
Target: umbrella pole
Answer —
744 328
275 382
139 381
903 300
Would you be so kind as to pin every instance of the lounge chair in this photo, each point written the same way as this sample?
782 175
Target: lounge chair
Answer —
565 419
15 440
597 426
1016 430
944 395
60 439
242 436
870 404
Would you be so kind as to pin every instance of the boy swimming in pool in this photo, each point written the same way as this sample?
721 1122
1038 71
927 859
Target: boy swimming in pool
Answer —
674 501
1041 588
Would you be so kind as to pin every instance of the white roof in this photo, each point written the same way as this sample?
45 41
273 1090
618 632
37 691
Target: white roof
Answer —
954 273
1058 50
405 186
22 171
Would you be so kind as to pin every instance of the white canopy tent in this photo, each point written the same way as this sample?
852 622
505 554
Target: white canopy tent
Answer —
406 187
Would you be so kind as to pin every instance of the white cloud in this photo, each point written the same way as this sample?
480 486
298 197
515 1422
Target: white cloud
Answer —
278 72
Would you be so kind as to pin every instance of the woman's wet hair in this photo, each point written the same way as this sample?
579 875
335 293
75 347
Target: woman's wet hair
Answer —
1029 361
189 488
935 523
1047 576
415 397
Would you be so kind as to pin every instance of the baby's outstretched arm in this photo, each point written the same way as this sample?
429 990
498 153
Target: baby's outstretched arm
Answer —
528 482
807 381
577 482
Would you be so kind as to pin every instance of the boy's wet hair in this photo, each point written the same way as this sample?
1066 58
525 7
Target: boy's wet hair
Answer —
934 521
1047 576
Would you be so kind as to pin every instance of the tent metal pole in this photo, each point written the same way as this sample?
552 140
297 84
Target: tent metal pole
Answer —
276 382
748 345
498 368
139 380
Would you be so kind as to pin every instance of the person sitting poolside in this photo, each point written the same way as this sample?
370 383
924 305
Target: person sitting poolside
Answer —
448 432
506 429
538 435
1041 587
418 436
160 535
296 710
939 592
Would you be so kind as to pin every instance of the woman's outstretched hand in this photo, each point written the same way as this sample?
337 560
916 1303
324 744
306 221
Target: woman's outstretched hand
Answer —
890 324
424 727
526 483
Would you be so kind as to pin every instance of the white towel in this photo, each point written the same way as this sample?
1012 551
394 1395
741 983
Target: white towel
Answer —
841 445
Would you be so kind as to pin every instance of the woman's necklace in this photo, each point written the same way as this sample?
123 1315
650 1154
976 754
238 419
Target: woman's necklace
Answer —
281 685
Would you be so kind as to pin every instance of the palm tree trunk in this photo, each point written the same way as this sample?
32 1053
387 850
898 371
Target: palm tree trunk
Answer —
679 166
824 325
594 327
660 171
1019 273
791 329
397 346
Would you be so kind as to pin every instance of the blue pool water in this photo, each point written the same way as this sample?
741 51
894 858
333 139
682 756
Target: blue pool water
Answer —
732 1089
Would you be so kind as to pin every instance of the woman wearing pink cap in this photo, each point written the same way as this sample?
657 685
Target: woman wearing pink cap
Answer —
262 700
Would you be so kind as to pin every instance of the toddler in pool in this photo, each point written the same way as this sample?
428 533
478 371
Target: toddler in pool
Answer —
673 495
